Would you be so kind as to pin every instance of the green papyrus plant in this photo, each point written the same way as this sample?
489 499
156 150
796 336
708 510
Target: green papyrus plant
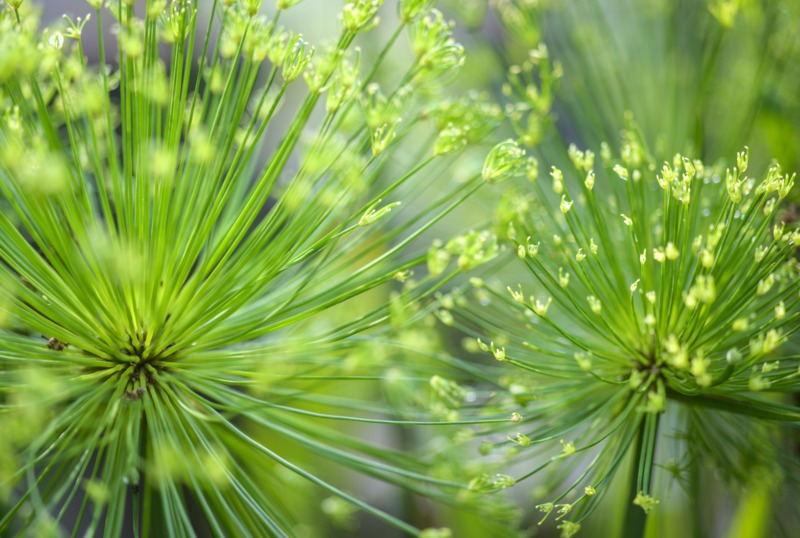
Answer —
648 328
702 78
168 246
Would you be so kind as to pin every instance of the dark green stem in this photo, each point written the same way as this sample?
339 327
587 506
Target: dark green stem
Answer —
136 497
635 517
641 471
743 406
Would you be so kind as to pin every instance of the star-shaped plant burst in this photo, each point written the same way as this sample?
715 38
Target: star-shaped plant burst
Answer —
166 242
650 323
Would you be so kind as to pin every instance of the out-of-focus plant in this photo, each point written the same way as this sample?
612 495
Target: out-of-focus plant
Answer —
703 77
163 361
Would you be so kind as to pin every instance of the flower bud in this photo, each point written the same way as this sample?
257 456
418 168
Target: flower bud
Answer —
286 4
450 140
358 13
504 161
297 59
742 159
251 6
413 10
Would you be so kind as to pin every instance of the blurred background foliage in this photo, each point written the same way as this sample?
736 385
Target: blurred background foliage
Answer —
703 77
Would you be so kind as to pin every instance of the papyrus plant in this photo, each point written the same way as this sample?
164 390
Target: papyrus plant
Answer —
648 329
702 78
169 250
